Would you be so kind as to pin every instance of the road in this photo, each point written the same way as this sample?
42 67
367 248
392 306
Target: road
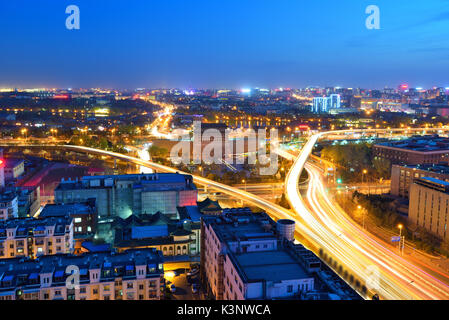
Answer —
353 248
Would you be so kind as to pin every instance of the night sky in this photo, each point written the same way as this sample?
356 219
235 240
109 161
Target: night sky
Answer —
228 43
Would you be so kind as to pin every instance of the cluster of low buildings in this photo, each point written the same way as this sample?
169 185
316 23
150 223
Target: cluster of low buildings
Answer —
117 231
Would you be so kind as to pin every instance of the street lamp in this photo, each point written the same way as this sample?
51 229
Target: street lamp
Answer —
402 239
363 174
24 132
244 181
363 215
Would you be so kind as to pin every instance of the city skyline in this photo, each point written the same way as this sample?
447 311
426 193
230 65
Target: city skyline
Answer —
231 45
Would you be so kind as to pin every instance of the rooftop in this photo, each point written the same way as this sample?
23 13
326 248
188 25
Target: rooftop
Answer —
436 168
241 226
23 272
427 143
12 163
433 183
26 226
148 182
62 210
273 266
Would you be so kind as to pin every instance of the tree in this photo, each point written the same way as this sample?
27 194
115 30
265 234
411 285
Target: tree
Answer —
382 167
283 202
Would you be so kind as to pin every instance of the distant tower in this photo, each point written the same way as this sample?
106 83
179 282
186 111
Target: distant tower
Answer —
335 101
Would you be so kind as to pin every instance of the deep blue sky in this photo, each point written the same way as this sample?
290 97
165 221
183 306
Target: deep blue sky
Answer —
227 43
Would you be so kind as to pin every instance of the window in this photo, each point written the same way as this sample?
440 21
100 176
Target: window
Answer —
129 285
78 220
290 288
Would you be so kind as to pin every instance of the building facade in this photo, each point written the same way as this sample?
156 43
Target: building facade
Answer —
402 176
430 149
9 206
132 275
84 216
243 257
33 238
429 205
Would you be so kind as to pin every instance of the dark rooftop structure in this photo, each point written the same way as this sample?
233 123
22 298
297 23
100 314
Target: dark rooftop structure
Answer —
427 143
62 210
148 230
26 274
28 226
154 181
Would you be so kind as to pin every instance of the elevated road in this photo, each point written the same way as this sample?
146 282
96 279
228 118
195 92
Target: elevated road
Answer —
350 249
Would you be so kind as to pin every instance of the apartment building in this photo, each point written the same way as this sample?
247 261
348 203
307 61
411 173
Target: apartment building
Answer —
123 195
35 237
402 176
131 275
243 257
429 205
84 216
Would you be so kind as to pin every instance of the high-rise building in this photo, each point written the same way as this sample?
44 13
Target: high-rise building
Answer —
324 104
335 101
320 105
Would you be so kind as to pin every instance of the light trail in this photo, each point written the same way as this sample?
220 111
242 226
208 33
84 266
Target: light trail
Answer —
355 249
323 226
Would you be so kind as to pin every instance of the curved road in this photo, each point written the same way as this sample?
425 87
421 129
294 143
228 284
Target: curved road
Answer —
355 250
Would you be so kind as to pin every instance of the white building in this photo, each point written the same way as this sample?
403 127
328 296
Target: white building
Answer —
324 104
14 168
241 258
9 206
